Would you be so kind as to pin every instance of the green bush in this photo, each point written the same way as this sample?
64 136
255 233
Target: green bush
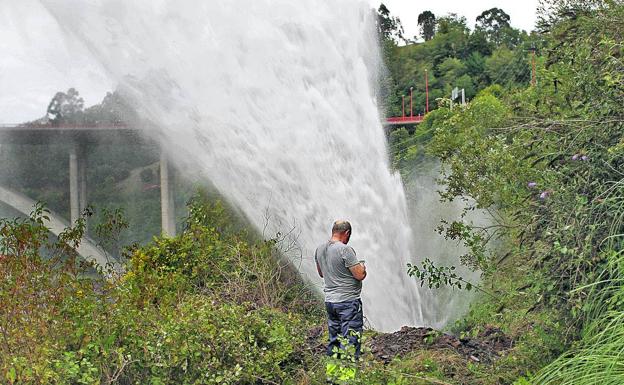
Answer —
204 307
546 163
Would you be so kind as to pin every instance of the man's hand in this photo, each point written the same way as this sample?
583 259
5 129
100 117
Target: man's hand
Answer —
358 271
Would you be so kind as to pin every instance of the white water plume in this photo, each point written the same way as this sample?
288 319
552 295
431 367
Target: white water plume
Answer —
273 102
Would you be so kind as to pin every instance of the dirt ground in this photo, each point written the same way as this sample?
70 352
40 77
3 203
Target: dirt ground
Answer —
485 348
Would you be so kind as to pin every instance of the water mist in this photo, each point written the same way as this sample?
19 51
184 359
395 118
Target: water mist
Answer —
273 102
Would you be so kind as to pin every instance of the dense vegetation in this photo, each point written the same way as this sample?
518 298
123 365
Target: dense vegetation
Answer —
211 306
547 161
218 305
452 55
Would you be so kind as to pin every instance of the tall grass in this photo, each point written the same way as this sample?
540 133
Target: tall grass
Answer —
598 358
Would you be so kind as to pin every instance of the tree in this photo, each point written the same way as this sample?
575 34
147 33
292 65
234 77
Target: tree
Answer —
451 39
389 27
479 42
475 67
452 22
113 109
500 67
427 23
493 19
493 22
449 71
551 12
390 33
65 106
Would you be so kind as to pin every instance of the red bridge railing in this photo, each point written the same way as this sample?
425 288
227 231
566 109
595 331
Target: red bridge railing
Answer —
411 119
404 120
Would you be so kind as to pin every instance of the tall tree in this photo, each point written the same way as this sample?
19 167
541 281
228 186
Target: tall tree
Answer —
427 23
493 19
451 39
65 106
494 22
113 109
390 32
452 22
549 12
389 27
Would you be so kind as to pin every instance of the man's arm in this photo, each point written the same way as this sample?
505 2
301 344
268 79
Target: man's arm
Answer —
358 271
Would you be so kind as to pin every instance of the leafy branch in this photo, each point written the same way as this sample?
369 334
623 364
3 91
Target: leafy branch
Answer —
437 276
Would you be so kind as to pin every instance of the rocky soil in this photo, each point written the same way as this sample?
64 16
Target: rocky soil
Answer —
486 347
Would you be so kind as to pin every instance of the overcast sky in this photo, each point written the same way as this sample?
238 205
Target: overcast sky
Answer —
523 13
36 60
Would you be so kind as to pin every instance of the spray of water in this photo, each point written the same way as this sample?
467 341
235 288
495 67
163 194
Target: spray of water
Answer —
273 102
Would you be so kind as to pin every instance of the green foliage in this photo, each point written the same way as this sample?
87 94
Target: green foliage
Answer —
349 371
201 308
427 23
536 175
454 57
494 22
409 149
436 276
546 163
64 106
109 230
476 157
389 27
596 358
493 19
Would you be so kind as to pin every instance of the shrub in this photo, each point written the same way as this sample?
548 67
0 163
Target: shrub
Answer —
192 309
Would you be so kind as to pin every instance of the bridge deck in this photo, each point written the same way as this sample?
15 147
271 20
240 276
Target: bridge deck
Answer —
41 134
402 120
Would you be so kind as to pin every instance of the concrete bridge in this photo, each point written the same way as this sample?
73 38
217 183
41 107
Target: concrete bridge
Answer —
87 249
78 137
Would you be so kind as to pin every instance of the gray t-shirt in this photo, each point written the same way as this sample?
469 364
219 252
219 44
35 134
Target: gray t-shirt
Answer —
335 258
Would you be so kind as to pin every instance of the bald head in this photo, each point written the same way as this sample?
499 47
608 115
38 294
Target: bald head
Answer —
341 226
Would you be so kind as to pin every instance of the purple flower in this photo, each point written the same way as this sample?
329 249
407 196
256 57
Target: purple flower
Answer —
584 157
544 194
575 157
531 184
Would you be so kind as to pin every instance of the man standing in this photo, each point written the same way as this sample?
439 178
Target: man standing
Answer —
337 264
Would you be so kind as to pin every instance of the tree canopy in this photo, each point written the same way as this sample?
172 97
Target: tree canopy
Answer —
492 53
427 23
63 105
389 27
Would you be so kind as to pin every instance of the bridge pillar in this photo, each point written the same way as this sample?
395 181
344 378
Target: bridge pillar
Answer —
77 182
74 200
82 177
167 207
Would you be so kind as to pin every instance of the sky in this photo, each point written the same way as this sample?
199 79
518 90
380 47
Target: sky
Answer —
36 60
522 13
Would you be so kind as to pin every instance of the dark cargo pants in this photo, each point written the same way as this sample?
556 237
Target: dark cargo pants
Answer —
344 319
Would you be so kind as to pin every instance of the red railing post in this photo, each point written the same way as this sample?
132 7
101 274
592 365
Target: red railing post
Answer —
403 97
